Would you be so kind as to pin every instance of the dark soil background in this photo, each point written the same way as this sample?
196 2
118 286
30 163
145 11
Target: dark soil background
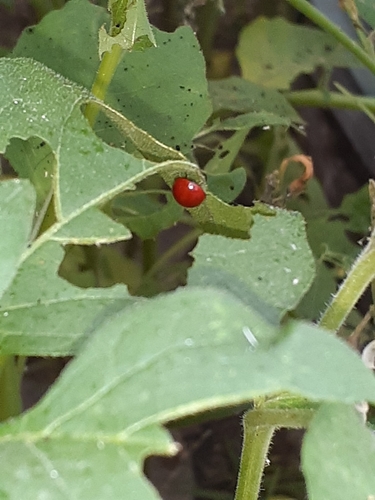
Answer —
207 464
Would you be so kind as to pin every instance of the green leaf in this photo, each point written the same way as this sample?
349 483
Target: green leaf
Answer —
227 186
17 200
338 455
42 313
226 153
143 215
129 27
327 233
366 10
275 265
273 52
163 90
216 217
33 159
239 95
90 434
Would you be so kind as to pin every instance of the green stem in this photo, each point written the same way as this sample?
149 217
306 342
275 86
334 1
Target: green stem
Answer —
11 370
360 276
104 75
148 255
180 245
318 18
318 99
259 427
253 458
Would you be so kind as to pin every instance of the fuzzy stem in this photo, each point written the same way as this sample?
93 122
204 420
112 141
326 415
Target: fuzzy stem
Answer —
323 22
259 427
104 75
360 276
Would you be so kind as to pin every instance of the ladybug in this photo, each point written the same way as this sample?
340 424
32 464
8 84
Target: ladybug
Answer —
187 193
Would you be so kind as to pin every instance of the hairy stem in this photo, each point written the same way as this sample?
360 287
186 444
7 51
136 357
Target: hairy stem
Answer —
360 276
104 75
259 427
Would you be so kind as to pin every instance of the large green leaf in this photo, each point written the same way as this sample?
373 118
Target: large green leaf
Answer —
273 52
146 366
40 312
338 455
151 88
275 265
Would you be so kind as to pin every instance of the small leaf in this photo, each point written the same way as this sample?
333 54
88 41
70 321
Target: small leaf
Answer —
144 216
338 455
226 153
227 186
273 52
129 27
275 265
240 95
34 160
216 217
366 9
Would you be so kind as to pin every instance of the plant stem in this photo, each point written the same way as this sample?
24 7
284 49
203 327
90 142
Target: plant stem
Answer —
253 458
104 75
318 18
318 99
180 245
148 254
360 276
11 369
259 426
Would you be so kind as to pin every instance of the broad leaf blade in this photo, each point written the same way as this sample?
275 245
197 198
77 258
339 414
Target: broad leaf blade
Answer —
273 52
275 265
95 423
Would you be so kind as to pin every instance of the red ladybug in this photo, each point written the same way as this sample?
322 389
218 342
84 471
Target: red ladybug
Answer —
187 193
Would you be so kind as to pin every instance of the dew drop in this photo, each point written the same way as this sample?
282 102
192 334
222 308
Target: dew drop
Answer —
6 314
189 342
54 474
100 445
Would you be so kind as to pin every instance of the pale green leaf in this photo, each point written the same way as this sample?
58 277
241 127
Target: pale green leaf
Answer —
92 431
17 203
273 52
338 455
129 27
275 265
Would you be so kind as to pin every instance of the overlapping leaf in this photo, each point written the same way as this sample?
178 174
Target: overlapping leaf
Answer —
88 437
